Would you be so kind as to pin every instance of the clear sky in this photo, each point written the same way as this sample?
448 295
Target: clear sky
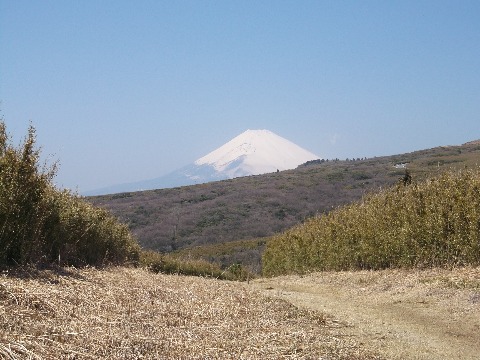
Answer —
121 91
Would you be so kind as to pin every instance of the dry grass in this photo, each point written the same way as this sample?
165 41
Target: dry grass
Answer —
123 313
417 314
428 224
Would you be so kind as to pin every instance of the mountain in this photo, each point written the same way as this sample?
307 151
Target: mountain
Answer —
253 152
226 220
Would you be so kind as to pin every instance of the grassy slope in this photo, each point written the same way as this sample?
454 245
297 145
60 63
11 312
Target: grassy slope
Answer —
260 206
427 314
124 313
425 224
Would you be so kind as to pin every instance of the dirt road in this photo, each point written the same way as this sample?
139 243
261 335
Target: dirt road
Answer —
419 314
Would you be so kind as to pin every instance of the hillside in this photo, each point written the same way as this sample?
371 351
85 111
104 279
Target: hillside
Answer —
259 206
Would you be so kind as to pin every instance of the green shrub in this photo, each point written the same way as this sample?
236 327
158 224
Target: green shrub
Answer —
83 234
433 223
39 223
168 264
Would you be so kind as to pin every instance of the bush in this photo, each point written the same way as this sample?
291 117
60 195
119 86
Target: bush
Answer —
39 223
83 234
433 223
168 264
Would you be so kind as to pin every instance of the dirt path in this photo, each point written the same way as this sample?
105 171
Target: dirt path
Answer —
431 314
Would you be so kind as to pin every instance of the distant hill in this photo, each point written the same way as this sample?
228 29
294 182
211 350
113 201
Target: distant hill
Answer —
255 207
253 152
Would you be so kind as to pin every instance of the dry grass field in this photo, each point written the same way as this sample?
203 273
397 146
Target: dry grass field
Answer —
427 314
126 313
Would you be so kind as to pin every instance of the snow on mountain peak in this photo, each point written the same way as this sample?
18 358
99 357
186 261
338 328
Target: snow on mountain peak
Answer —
256 152
253 152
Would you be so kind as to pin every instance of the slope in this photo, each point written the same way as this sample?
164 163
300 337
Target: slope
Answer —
125 313
401 314
258 206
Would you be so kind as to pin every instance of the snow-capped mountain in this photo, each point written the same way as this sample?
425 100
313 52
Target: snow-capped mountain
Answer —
253 152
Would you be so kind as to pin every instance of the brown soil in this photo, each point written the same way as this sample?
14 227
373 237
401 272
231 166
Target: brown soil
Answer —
400 314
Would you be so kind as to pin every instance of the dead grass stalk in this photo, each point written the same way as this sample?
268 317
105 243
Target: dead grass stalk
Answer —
124 313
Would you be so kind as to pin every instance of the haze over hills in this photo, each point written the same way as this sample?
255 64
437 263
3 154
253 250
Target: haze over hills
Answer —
253 152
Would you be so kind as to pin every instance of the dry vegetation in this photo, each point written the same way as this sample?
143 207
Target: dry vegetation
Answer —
427 224
427 314
242 253
41 224
258 206
124 313
131 313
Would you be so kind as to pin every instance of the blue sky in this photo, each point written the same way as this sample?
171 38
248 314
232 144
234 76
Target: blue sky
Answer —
121 91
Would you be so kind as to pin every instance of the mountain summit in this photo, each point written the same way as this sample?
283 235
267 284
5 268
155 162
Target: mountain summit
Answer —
253 152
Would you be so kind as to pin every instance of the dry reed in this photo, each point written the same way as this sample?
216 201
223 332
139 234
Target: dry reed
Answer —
430 224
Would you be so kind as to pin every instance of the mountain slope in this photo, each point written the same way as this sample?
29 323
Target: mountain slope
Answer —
258 206
253 152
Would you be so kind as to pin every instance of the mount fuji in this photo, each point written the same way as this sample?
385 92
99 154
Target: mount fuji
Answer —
253 152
